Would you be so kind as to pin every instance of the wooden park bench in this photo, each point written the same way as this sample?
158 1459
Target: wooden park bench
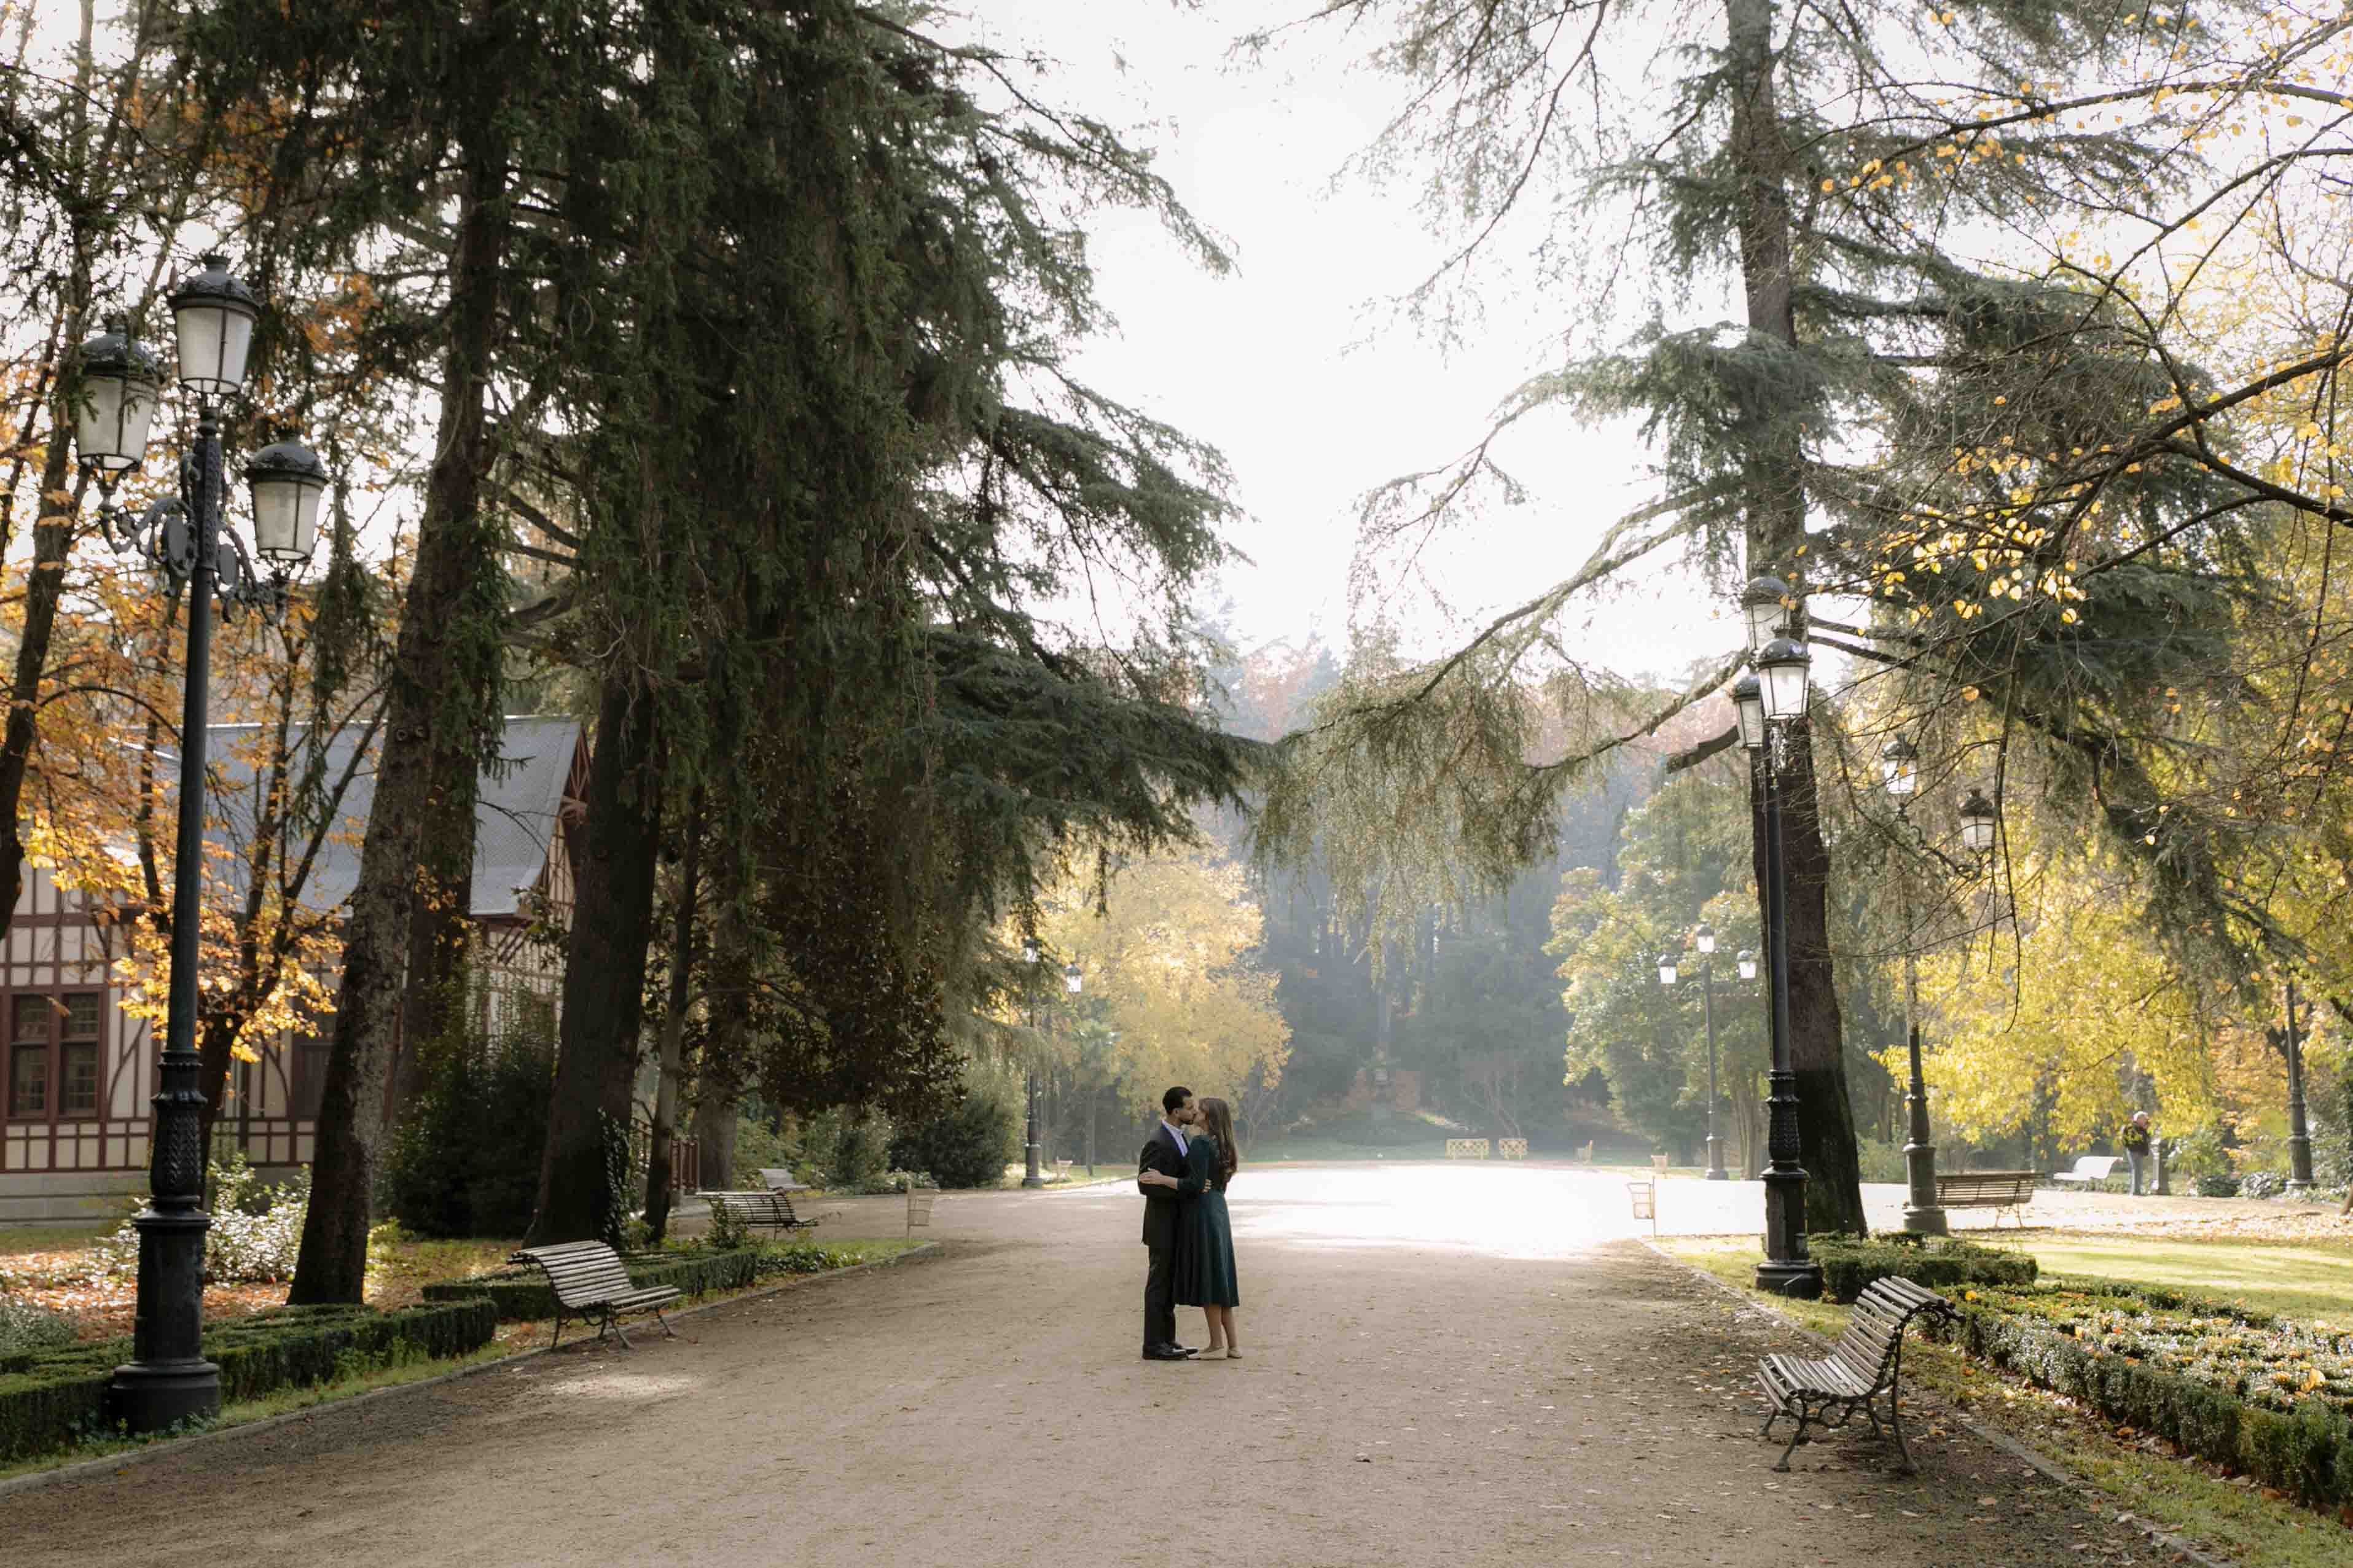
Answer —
591 1285
2090 1171
1466 1148
771 1208
1995 1190
1861 1367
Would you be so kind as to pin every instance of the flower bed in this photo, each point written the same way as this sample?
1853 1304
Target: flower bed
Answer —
1851 1264
51 1398
2256 1394
522 1292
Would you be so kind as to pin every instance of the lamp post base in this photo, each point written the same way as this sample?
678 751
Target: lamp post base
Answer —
1923 1215
1715 1170
1786 1270
171 1380
1032 1177
2296 1188
1929 1221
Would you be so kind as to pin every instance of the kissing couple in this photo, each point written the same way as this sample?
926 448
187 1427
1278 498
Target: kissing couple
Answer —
1183 1173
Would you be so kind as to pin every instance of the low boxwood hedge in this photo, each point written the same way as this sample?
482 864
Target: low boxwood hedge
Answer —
52 1397
522 1292
2249 1390
1850 1263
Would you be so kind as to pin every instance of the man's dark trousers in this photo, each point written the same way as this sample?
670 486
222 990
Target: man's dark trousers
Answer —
1160 1208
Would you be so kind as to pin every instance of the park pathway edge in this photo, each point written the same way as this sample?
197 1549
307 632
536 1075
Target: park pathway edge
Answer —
130 1457
2051 1469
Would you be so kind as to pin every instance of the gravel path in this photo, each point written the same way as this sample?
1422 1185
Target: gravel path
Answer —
1458 1366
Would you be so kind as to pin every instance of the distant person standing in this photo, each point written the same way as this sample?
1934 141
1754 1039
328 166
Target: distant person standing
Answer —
2135 1138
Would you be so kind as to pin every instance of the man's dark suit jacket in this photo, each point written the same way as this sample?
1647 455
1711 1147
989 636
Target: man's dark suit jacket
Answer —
1160 1202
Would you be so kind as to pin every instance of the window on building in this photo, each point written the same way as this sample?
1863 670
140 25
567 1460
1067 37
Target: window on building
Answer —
310 1086
28 1057
54 1046
78 1054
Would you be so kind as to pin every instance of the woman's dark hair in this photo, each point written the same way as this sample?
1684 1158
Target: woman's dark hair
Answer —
1175 1098
1218 1121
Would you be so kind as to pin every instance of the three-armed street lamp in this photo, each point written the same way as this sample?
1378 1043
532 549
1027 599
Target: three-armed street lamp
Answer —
1770 704
117 383
1704 939
1899 764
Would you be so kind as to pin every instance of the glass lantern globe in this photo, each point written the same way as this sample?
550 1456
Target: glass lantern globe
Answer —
1770 610
1748 702
1072 982
1704 937
1781 669
1899 763
1748 964
213 314
1980 822
1666 969
116 406
288 482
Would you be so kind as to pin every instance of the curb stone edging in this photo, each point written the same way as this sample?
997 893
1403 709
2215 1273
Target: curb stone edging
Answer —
2041 1463
152 1451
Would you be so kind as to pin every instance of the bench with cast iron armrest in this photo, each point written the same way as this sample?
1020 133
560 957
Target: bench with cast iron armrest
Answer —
1996 1190
2090 1171
1862 1366
591 1285
772 1209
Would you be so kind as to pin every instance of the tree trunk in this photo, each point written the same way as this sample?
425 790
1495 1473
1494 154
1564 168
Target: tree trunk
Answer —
439 927
428 705
725 1067
604 974
673 1031
1775 534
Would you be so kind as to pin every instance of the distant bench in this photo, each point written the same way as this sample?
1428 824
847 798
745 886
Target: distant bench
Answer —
772 1209
1996 1190
1466 1148
2090 1171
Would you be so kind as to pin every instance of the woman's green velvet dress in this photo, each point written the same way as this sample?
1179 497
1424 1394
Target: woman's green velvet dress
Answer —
1205 1237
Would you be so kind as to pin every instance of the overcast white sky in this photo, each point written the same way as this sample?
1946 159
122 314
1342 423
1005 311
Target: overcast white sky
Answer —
1290 366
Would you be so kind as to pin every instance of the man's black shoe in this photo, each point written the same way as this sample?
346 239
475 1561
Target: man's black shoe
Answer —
1167 1353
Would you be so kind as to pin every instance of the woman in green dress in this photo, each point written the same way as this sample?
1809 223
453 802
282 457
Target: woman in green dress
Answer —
1204 1264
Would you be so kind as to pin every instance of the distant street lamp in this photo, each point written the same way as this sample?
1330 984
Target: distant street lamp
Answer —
114 393
1704 939
1770 702
1031 1177
1980 825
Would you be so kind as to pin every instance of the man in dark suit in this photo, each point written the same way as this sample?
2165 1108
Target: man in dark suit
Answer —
1163 1153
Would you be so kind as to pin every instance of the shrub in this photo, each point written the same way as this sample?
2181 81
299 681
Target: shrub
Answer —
1849 1264
966 1145
2218 1186
848 1147
465 1161
24 1327
51 1398
2242 1389
255 1232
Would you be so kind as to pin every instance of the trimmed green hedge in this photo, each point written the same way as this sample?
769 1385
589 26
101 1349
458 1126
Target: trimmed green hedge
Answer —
2247 1390
52 1397
522 1292
1849 1264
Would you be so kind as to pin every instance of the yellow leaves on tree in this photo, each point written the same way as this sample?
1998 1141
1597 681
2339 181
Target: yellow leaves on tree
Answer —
1171 965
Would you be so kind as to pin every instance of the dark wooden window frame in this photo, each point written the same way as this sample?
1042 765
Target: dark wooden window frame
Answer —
53 1052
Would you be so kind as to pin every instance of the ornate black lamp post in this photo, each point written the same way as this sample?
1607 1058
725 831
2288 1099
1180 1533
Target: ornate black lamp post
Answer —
168 1379
1704 939
2299 1132
1770 702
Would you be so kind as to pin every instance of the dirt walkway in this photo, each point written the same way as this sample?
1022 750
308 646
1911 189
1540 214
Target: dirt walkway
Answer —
1446 1366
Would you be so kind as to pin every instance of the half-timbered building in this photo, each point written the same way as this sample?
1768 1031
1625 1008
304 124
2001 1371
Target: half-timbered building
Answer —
76 1072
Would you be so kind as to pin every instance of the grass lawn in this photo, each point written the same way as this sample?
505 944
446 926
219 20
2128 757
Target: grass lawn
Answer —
2181 1496
2303 1282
